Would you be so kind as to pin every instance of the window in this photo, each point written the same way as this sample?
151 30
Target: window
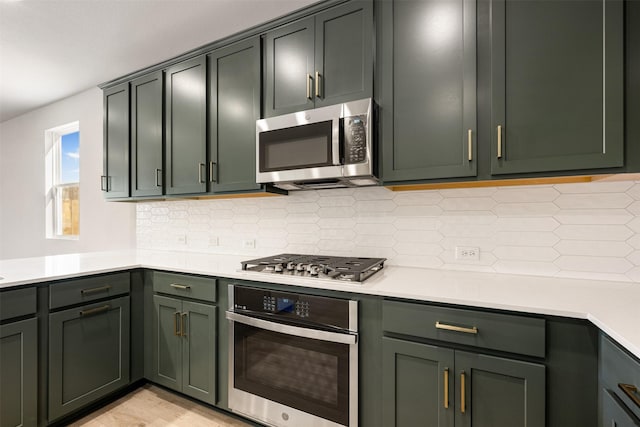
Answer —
63 181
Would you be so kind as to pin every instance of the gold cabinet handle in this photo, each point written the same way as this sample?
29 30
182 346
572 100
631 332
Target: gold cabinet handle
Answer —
183 320
631 391
463 400
499 141
201 166
96 310
472 330
212 176
176 331
446 388
470 144
95 290
309 84
318 94
179 286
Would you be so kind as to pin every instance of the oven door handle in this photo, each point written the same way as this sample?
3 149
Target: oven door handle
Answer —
282 328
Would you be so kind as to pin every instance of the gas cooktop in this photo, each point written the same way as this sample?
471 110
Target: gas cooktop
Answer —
321 266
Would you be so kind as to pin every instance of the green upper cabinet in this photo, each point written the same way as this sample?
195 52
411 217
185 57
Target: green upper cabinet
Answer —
557 85
186 127
234 107
427 89
321 60
146 135
115 179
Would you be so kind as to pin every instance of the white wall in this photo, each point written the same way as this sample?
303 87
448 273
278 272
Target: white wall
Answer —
589 230
103 225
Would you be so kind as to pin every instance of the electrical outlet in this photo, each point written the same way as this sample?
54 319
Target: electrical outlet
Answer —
213 241
181 239
467 253
249 244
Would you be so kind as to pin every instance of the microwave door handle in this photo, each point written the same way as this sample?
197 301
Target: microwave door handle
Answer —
335 141
292 330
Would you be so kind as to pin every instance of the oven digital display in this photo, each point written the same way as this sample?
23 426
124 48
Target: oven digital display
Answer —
285 304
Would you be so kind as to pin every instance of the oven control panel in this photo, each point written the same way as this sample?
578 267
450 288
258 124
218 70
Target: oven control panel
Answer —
311 308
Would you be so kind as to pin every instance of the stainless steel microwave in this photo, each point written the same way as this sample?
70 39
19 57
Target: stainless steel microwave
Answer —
328 147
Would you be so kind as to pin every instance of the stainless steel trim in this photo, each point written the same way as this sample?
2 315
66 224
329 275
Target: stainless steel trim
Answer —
94 290
96 310
346 338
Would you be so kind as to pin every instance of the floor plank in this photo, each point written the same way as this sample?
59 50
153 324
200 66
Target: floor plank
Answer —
155 407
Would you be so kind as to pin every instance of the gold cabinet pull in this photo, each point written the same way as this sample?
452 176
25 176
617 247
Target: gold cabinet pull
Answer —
201 166
631 391
95 290
499 141
183 320
472 330
179 286
470 144
96 310
212 176
318 76
176 331
463 400
309 83
446 388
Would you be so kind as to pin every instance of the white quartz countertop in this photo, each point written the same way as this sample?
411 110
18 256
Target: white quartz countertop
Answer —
614 307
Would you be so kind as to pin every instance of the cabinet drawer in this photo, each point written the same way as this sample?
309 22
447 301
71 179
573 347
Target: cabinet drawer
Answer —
620 373
88 289
202 288
504 332
17 302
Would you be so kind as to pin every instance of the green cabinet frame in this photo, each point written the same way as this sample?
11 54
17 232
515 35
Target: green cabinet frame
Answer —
320 60
184 347
18 373
115 179
89 351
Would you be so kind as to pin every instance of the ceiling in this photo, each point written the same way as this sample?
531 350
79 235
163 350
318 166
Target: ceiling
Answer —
51 49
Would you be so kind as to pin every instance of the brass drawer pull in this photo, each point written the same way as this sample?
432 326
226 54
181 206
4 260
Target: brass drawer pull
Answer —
499 141
96 310
446 388
179 286
631 391
463 400
318 76
94 290
454 328
309 85
470 145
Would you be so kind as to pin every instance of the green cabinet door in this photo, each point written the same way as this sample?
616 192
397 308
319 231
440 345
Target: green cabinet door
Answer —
415 378
18 373
146 135
494 391
88 354
344 53
199 351
234 107
427 89
166 341
115 178
557 85
615 414
289 53
185 127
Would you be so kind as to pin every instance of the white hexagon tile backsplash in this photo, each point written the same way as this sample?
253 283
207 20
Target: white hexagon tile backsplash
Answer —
589 230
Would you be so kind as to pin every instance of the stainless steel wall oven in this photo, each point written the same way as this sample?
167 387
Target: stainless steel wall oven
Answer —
293 358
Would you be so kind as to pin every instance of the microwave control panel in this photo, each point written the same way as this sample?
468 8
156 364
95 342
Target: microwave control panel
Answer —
355 139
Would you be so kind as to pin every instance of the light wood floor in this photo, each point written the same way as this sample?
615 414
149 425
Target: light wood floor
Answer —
156 407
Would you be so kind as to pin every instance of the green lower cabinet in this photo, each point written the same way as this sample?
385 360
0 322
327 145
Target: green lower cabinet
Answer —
436 386
18 373
88 354
615 414
184 347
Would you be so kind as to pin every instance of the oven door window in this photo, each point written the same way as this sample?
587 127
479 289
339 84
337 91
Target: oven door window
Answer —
296 147
302 373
